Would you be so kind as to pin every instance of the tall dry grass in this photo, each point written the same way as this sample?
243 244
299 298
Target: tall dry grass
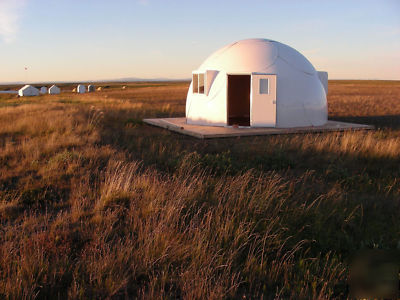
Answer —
95 204
148 235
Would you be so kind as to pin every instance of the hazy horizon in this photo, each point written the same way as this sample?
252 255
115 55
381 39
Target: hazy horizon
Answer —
43 41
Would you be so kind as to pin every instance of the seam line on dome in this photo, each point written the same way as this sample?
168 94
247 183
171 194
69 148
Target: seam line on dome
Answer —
227 48
271 64
308 73
275 58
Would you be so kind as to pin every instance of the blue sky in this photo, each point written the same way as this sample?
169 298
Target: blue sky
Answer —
72 40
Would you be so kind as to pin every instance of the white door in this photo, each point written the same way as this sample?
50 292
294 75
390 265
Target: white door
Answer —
263 100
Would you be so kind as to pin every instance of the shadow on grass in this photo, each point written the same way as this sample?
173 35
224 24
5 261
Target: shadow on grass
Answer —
362 179
384 122
165 150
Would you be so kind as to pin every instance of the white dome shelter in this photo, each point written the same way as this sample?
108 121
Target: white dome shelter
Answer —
54 90
257 83
28 90
43 90
91 88
81 89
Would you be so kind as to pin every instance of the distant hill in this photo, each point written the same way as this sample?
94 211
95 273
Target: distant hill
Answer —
131 79
126 79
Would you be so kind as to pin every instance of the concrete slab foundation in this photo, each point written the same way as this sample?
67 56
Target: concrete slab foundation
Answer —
207 132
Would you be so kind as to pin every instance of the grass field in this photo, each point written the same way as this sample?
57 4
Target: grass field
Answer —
95 204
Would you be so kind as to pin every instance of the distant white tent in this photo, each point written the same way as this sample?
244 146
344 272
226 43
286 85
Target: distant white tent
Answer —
28 90
53 90
81 89
90 88
43 90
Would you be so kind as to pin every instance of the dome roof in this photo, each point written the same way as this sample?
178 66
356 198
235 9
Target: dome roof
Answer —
256 55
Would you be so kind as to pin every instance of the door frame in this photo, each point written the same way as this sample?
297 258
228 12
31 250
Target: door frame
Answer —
251 93
226 92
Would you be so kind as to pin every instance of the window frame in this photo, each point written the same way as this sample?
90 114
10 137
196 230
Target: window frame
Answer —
260 90
195 81
199 83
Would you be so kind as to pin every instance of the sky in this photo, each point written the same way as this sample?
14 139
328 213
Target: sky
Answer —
88 40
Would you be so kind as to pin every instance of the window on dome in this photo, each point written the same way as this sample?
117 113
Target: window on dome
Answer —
201 83
198 83
264 86
195 83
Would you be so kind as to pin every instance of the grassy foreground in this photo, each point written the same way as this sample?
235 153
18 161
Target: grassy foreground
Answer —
95 204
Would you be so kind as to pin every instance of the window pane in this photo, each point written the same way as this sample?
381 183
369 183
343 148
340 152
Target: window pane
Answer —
201 83
264 86
195 83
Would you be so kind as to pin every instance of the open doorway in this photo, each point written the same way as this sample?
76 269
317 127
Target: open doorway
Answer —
238 100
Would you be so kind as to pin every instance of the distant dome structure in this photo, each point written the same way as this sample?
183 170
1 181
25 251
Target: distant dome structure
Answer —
28 90
43 90
54 90
90 88
257 83
81 89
